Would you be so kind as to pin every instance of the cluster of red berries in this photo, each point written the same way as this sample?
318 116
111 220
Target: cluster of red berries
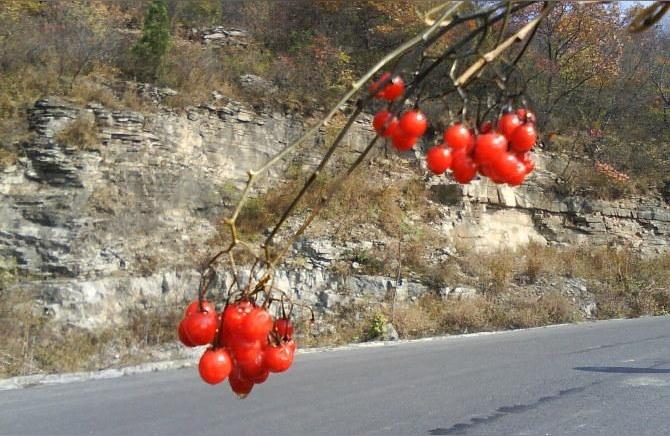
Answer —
404 131
501 152
246 343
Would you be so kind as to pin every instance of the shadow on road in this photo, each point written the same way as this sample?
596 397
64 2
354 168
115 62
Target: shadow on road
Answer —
463 427
622 370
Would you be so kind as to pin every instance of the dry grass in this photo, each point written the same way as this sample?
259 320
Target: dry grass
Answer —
7 158
431 315
32 343
397 209
623 282
493 272
81 133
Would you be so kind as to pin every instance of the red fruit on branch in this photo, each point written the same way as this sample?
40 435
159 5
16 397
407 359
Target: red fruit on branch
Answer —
489 147
403 142
458 137
284 328
200 327
260 378
488 171
463 167
182 335
233 316
279 358
394 90
413 123
438 159
509 169
485 127
249 359
195 307
385 123
527 160
239 384
524 138
257 325
215 365
508 123
386 88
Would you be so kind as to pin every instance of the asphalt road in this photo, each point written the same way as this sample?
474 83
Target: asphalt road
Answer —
605 378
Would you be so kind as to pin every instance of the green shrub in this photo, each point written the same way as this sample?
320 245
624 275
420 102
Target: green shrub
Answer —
154 44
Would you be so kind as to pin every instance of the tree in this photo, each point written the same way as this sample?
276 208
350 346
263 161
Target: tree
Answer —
578 46
150 50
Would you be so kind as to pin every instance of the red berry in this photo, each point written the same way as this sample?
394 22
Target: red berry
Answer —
395 89
240 384
284 328
375 86
195 307
279 358
413 123
200 327
463 167
250 360
527 160
257 325
260 378
509 168
438 159
489 147
233 316
391 90
402 141
385 123
523 138
488 170
215 365
508 123
182 335
457 136
486 127
521 113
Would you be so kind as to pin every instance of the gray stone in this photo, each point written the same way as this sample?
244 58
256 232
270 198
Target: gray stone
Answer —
590 310
506 195
462 292
257 84
390 333
221 36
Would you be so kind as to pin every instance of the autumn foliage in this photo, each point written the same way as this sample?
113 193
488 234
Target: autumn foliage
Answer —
582 71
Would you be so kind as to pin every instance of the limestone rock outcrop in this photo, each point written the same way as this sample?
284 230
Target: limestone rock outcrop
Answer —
125 223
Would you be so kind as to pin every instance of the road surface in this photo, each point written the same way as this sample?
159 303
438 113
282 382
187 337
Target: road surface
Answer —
606 378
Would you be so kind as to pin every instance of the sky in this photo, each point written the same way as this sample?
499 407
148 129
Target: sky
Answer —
665 22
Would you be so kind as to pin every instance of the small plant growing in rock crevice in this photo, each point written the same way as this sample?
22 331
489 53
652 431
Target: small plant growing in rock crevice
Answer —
377 324
81 133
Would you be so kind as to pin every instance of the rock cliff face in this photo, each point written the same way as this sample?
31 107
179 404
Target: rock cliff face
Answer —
489 215
100 230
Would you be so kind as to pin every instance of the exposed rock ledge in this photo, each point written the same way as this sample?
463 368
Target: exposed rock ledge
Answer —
103 230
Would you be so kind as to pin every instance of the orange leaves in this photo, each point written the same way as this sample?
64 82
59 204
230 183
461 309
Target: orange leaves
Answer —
585 40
